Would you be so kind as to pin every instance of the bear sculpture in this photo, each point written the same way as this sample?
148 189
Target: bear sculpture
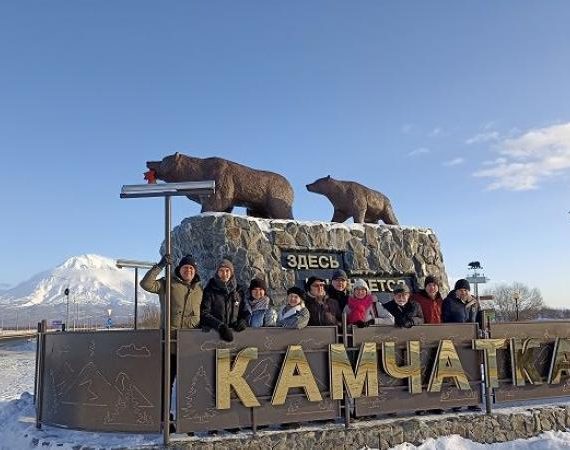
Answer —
354 200
263 194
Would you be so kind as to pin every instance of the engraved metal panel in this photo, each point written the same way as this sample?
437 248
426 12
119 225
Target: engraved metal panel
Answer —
533 364
103 381
394 393
196 383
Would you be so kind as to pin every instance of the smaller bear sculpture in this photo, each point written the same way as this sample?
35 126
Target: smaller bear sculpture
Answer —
351 199
264 194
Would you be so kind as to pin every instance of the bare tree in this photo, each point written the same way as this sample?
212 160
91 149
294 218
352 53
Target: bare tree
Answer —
510 297
150 317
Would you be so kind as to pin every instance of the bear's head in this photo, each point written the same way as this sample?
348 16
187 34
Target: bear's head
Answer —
170 169
320 186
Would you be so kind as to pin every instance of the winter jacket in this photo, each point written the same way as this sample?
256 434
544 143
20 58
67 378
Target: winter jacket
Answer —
431 308
367 310
454 310
405 316
261 314
340 296
324 311
293 316
222 303
185 298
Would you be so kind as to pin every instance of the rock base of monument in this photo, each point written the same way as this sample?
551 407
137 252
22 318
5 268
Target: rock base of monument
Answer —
284 251
384 434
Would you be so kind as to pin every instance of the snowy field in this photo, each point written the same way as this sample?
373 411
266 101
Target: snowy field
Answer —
18 431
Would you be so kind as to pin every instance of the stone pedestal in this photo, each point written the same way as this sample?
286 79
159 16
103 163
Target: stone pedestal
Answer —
282 250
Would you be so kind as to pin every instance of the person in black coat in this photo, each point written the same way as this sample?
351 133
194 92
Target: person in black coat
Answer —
406 312
223 306
338 288
460 306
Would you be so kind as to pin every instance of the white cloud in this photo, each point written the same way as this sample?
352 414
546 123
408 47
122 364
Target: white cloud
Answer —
435 132
453 162
527 160
483 137
419 151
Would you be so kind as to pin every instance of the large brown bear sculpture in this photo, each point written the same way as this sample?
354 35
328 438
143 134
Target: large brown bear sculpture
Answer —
264 194
351 199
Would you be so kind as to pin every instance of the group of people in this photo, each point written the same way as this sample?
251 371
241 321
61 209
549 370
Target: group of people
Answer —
226 307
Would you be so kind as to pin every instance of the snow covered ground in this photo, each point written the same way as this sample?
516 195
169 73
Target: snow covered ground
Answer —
18 431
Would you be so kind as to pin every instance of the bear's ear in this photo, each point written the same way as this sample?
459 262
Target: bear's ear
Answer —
328 177
177 155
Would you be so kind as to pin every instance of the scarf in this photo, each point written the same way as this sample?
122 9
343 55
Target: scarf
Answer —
358 308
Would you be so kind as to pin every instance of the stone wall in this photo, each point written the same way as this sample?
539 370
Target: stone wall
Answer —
479 427
255 246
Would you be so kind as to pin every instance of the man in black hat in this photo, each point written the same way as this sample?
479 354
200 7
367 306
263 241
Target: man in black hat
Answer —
338 289
430 300
460 306
323 309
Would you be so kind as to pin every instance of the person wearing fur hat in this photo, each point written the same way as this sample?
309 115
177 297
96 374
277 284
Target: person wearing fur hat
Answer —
460 306
406 312
223 306
258 304
430 300
363 309
294 314
323 309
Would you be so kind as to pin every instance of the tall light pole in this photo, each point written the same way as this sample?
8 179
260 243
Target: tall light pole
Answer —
516 297
129 263
167 190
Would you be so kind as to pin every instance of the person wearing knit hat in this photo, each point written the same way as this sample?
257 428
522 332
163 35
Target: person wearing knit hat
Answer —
430 300
223 305
185 297
338 289
460 306
258 304
293 314
323 309
363 309
406 312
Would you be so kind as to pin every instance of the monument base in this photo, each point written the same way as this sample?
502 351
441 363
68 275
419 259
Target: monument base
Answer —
285 252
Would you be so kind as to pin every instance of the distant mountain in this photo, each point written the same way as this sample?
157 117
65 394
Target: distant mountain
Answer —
95 284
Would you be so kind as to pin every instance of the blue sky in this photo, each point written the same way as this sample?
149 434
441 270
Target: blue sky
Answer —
459 112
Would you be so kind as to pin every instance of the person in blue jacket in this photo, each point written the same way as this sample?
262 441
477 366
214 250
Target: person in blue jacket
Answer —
460 306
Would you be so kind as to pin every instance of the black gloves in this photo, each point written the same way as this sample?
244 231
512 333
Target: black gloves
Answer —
226 333
240 325
405 323
360 324
164 261
370 322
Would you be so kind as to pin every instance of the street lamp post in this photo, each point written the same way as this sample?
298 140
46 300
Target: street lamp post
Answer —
109 311
516 297
129 263
167 190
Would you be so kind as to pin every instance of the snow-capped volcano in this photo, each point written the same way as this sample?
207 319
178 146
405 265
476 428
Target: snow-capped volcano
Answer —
94 283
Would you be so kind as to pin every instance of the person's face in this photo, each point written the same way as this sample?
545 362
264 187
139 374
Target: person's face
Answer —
463 294
258 293
224 274
187 272
340 284
432 289
360 292
401 298
317 288
293 299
